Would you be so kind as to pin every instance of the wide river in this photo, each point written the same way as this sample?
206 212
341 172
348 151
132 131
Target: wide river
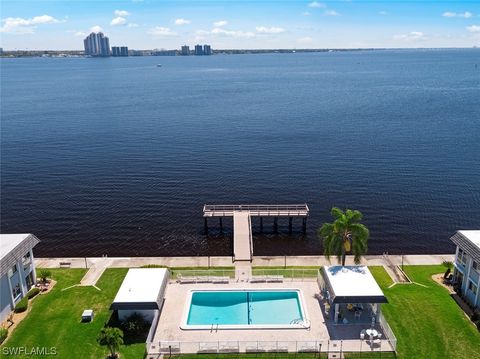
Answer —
117 155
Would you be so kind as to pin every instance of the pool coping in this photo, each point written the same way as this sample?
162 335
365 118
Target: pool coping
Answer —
303 309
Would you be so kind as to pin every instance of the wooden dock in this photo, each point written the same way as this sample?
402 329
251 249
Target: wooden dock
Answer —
242 224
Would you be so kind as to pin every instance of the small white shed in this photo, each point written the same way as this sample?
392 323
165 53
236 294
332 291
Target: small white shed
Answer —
142 291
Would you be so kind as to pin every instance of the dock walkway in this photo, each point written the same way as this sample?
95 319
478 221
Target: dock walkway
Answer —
242 224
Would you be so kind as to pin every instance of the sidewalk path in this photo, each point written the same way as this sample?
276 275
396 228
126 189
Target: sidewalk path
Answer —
100 263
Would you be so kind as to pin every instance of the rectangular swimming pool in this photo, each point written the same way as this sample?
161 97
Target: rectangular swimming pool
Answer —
249 308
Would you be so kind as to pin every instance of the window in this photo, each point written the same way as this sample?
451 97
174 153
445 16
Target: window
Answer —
26 260
12 271
472 287
16 291
462 256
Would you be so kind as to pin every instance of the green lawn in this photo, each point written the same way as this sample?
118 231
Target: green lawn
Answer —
426 321
54 320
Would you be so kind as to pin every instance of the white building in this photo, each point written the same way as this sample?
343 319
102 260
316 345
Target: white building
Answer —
467 264
142 291
17 269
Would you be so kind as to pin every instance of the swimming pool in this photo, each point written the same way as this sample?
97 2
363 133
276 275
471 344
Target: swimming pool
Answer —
249 309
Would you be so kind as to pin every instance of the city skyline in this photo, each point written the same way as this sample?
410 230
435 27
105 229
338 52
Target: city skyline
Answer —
61 25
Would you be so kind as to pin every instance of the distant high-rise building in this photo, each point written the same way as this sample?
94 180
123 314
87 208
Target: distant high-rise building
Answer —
185 50
119 51
207 50
198 50
97 44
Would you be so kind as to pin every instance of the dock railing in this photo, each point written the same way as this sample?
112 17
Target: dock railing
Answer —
223 210
212 275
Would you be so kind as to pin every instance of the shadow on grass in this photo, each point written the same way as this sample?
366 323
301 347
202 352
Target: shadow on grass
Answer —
128 338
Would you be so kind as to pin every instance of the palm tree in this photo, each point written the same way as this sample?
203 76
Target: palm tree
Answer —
112 338
344 235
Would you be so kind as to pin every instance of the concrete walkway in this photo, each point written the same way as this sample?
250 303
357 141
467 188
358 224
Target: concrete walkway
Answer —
279 261
95 271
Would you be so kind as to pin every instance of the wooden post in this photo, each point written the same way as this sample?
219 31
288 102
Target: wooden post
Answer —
205 225
275 224
261 224
290 225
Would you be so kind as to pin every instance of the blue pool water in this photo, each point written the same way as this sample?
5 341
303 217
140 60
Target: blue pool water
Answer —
244 308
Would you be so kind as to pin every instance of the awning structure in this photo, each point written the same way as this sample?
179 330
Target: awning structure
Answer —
142 288
352 284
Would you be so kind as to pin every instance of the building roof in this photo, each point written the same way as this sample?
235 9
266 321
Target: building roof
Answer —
469 241
142 288
352 284
13 247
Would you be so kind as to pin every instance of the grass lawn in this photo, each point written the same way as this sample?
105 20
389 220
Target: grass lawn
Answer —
426 321
54 319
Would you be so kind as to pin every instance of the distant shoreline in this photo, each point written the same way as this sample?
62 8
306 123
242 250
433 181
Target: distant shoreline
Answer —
164 52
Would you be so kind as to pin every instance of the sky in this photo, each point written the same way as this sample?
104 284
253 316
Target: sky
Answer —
240 24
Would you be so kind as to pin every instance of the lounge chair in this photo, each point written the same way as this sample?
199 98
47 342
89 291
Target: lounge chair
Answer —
252 347
282 347
169 347
275 278
307 347
258 278
228 347
220 279
186 279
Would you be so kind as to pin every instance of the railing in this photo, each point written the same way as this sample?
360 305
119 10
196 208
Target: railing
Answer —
288 274
392 339
212 275
266 209
236 346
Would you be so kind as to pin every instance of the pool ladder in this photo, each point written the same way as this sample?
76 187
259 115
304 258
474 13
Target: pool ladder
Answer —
216 328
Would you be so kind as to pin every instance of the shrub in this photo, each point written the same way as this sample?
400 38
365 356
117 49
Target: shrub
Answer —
33 292
153 266
22 305
44 274
135 325
112 338
3 334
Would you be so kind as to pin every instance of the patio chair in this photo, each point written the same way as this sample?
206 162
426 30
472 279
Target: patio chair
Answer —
358 314
252 347
275 278
208 347
186 279
282 347
228 347
258 278
307 347
362 334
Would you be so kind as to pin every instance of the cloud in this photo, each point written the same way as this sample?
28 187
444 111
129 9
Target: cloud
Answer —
118 21
411 36
331 13
121 13
473 28
131 24
305 40
229 33
269 30
20 25
306 13
182 21
96 28
466 14
220 23
383 13
317 5
79 33
161 31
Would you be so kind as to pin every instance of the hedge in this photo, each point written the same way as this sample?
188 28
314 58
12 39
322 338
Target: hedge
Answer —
33 292
3 334
22 305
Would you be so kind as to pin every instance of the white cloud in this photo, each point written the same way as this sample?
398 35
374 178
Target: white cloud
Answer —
411 36
383 13
220 23
118 21
96 28
466 14
305 40
473 28
269 30
317 5
306 13
26 26
331 13
229 33
182 21
161 31
121 13
80 33
131 24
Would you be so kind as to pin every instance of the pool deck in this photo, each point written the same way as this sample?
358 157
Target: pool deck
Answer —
168 330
